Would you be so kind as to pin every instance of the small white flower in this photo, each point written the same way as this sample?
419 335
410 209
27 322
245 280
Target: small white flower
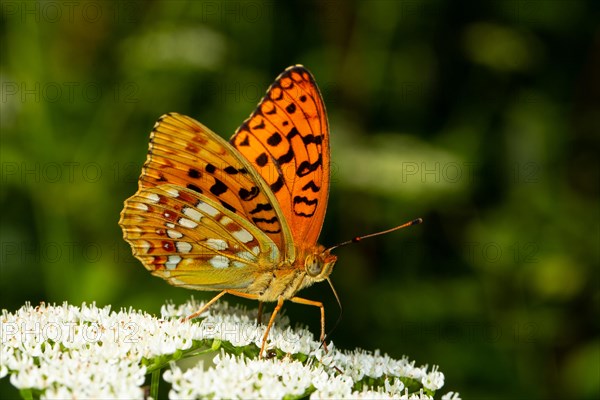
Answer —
335 387
451 396
433 380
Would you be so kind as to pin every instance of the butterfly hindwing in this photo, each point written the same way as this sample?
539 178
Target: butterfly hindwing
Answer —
193 241
287 140
186 153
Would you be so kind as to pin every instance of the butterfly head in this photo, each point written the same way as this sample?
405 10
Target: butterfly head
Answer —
319 264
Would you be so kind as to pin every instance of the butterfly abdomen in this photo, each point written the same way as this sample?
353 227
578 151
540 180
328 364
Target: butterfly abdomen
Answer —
281 282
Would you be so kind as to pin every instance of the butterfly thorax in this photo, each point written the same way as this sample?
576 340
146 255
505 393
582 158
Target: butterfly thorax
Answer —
312 265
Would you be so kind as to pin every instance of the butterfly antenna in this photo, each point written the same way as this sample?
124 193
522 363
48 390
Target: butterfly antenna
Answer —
339 317
359 238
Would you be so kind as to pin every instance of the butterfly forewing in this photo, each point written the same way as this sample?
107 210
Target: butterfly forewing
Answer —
193 241
287 140
186 153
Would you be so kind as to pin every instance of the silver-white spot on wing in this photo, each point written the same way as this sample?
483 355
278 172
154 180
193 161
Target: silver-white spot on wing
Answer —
207 208
173 234
219 262
172 261
188 223
141 206
245 255
183 247
274 252
173 192
217 244
243 235
192 213
225 220
153 198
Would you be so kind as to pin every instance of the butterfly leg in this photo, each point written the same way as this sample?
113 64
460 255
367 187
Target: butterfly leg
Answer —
217 297
251 297
271 321
205 307
300 300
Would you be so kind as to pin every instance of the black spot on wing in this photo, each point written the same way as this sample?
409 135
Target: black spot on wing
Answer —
218 188
308 139
274 139
231 170
244 142
280 94
305 200
287 157
262 207
306 167
301 214
311 186
291 108
259 126
210 168
270 230
293 132
277 185
194 173
262 160
228 206
264 220
248 194
193 187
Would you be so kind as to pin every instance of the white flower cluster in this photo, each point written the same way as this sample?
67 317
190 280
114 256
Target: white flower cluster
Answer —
90 352
238 377
67 351
238 327
359 364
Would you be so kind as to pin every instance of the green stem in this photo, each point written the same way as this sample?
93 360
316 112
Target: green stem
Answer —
154 383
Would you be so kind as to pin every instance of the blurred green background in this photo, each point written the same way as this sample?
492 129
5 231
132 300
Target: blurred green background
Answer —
481 118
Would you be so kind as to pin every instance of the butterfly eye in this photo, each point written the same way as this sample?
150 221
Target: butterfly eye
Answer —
313 265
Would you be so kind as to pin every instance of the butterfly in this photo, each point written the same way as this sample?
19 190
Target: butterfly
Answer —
240 217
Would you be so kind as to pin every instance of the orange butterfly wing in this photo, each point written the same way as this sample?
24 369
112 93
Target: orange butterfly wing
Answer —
287 140
184 152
